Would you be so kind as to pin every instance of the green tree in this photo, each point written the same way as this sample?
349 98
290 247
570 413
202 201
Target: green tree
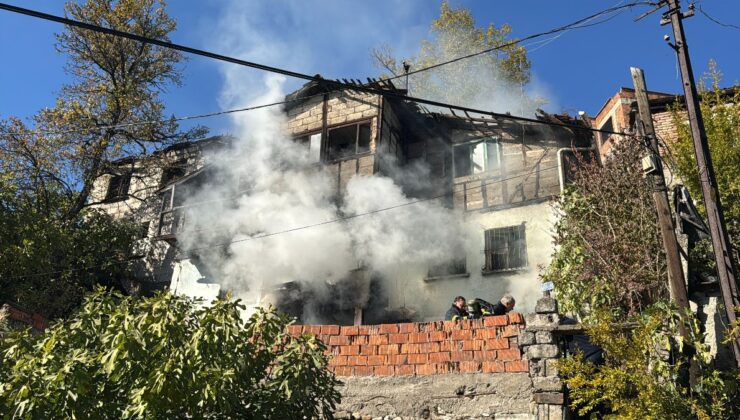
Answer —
471 81
166 357
609 252
720 109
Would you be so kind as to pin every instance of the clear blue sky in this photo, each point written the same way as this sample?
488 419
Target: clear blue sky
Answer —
578 70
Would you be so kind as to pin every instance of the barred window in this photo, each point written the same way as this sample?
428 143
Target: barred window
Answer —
505 249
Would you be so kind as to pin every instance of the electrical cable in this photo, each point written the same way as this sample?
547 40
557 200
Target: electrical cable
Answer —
333 84
726 25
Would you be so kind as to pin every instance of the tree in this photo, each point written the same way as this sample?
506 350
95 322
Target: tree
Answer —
476 80
720 109
166 357
609 254
114 81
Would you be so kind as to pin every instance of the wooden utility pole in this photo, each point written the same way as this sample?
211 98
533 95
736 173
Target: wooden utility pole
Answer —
715 217
654 170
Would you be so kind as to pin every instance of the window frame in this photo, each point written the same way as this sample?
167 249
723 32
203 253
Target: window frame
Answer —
331 158
122 189
461 262
308 135
489 143
512 233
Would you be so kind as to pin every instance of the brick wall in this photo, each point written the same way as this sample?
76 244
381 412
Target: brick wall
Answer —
478 346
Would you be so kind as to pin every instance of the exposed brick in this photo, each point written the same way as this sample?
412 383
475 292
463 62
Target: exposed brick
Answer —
515 318
376 360
485 333
388 328
439 357
338 340
349 350
426 369
472 344
517 366
377 339
493 367
312 329
497 344
509 354
484 355
384 370
406 328
397 359
295 329
398 338
444 367
449 345
428 347
510 331
428 326
364 370
465 324
343 370
470 366
403 370
450 325
356 360
494 321
462 334
437 336
418 337
417 359
359 340
364 329
368 350
409 348
324 338
330 329
350 330
338 361
389 349
461 356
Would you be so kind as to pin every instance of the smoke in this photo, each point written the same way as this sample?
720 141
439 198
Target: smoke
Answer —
268 215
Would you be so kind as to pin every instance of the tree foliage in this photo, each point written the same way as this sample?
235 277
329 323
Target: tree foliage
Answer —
166 357
720 109
454 34
48 262
640 376
609 252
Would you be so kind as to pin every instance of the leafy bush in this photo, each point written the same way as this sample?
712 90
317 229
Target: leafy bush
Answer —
165 357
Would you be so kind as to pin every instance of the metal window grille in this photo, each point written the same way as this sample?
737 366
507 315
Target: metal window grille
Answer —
505 248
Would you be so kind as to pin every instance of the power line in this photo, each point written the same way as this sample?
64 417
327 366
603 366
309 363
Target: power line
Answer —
339 219
317 78
726 25
573 25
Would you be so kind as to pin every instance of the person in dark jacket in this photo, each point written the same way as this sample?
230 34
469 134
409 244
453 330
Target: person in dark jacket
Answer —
457 310
504 305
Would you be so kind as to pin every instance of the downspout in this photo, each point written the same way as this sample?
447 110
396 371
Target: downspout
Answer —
561 170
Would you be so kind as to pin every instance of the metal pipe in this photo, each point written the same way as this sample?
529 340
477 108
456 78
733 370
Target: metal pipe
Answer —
561 171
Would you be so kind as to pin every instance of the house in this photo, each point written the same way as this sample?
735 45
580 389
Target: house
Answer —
496 173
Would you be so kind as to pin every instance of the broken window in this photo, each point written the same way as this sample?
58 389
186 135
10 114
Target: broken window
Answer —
476 157
349 140
118 187
505 249
456 267
312 145
175 171
607 126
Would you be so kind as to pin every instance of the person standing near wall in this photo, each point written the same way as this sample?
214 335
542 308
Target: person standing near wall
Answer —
457 310
504 305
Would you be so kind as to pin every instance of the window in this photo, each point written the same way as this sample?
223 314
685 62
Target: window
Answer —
506 249
456 267
349 140
312 144
477 157
118 187
607 126
171 173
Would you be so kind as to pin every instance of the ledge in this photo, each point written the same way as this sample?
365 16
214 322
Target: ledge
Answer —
447 277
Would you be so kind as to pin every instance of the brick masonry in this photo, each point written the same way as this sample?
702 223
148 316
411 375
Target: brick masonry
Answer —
489 345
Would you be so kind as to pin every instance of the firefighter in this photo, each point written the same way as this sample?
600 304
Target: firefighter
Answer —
457 310
504 305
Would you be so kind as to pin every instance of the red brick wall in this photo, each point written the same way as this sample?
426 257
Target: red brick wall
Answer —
428 348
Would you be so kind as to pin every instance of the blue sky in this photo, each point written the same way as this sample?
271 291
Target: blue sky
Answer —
578 70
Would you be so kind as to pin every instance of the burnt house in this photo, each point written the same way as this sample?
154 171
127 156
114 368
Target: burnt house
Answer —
498 172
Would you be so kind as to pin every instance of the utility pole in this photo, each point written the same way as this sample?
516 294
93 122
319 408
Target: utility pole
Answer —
654 169
712 204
